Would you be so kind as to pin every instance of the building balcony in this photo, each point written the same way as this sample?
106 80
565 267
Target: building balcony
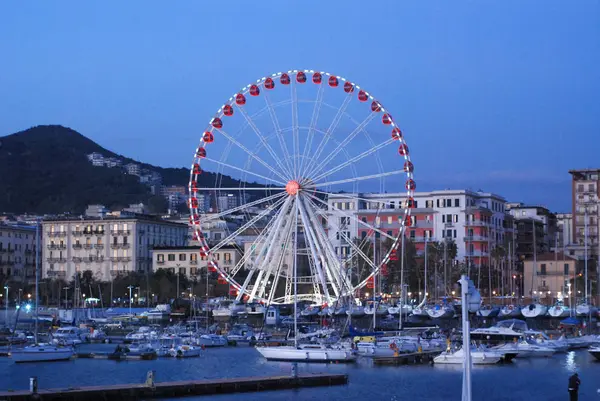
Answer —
3 250
422 239
88 232
77 233
477 223
99 232
56 274
10 251
552 273
56 260
477 254
160 262
99 246
56 233
54 247
449 225
120 232
476 238
543 288
125 246
28 251
77 246
77 259
192 262
93 259
88 246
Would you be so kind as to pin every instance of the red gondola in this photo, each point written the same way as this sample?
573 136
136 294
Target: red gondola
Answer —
211 268
221 280
386 119
375 106
194 219
194 186
240 99
269 83
370 282
196 169
317 78
254 90
393 255
333 81
410 184
194 203
362 96
202 253
396 133
217 123
208 137
384 270
285 79
301 77
201 153
228 110
410 202
407 221
408 167
348 87
233 291
403 150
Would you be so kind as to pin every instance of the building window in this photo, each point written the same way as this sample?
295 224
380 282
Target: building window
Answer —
363 234
566 269
448 233
580 188
456 202
412 234
182 270
389 219
193 257
543 269
389 233
454 233
160 257
392 205
182 257
363 219
227 257
171 257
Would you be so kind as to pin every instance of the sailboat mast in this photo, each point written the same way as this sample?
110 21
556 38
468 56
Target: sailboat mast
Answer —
534 257
425 278
374 280
585 253
37 261
402 289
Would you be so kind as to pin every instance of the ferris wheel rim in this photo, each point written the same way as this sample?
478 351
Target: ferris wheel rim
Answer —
216 123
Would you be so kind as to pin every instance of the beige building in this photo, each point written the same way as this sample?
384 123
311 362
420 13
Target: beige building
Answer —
17 251
107 247
554 272
187 260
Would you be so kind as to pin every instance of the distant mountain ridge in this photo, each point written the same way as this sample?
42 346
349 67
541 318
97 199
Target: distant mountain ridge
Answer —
45 169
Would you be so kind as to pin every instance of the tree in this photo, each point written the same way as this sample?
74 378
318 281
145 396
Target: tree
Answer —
157 204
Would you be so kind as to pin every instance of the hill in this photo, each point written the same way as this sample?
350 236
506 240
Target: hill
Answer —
45 169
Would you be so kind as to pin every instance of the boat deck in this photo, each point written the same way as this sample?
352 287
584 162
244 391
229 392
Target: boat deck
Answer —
413 358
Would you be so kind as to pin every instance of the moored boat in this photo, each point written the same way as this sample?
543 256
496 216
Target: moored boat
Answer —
308 353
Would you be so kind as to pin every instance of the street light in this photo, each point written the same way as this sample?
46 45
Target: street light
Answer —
66 299
130 315
6 311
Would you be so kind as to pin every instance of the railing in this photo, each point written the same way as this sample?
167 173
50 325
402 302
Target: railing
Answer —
477 223
88 246
56 260
77 233
543 288
551 273
88 232
125 258
3 250
77 259
192 262
476 238
77 246
115 246
120 232
52 273
422 239
125 246
99 246
10 250
99 232
56 233
160 262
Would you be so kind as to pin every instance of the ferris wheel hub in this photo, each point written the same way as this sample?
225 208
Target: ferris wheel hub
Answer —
292 187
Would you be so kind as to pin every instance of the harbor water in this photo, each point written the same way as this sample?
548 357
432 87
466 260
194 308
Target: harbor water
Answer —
522 380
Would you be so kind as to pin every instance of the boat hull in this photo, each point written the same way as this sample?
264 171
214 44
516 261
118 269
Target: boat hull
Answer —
534 310
306 355
39 354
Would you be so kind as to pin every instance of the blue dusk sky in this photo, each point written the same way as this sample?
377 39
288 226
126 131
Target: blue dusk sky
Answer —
502 96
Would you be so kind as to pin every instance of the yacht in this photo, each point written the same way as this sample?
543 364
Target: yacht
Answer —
184 351
255 309
308 353
69 335
443 311
510 311
585 309
311 310
381 309
534 310
355 311
41 353
559 309
477 357
504 331
211 340
526 349
488 311
228 309
340 310
595 352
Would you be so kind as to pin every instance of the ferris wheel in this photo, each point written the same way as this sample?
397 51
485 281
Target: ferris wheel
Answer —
294 155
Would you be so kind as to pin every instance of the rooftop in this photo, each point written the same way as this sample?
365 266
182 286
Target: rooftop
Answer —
551 257
191 248
137 217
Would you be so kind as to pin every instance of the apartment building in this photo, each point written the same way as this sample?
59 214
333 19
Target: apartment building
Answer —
17 251
108 247
549 275
187 260
564 229
476 221
585 195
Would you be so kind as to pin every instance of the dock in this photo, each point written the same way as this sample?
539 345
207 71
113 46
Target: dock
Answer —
157 390
413 358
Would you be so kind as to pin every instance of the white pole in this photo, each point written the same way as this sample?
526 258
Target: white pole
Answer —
295 267
402 289
585 256
374 280
466 389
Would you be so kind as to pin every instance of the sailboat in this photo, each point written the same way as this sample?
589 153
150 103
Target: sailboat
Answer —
535 309
40 352
305 352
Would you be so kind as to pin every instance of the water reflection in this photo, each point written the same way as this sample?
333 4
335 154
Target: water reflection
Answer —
570 363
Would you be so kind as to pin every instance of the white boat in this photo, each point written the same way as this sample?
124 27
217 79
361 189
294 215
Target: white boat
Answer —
340 310
558 345
510 311
228 309
504 331
488 311
211 340
395 310
534 310
184 351
308 353
143 334
311 310
525 349
384 348
421 309
355 311
559 310
477 357
41 353
244 334
595 352
440 311
160 312
585 309
69 335
382 309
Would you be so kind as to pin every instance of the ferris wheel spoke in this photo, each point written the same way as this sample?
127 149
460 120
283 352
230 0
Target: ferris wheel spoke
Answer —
253 155
251 222
296 145
278 132
342 144
280 265
242 189
352 217
354 179
264 141
311 129
246 171
352 197
353 160
227 212
316 250
329 133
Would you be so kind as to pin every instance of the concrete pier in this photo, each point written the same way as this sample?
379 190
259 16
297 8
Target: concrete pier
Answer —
151 390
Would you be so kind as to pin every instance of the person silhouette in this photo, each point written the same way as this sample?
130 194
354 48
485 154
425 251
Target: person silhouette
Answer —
574 383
